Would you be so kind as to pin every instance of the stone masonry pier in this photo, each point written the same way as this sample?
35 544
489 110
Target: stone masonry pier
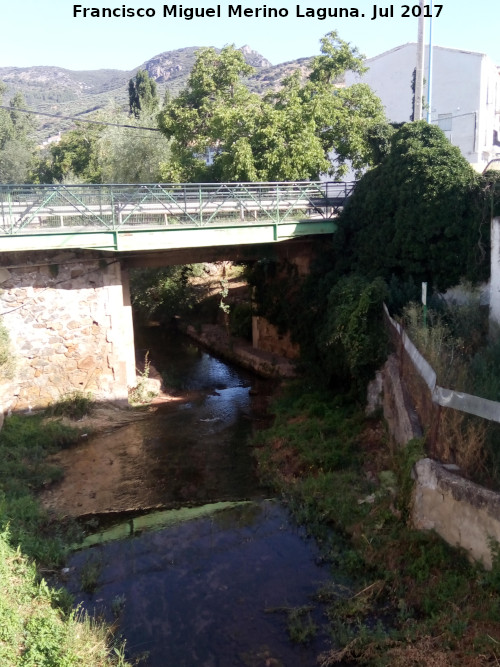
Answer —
70 325
69 317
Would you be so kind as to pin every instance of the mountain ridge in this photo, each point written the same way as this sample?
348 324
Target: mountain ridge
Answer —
69 92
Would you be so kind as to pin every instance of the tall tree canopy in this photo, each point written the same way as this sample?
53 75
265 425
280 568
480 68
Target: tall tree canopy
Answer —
74 158
142 94
17 144
289 134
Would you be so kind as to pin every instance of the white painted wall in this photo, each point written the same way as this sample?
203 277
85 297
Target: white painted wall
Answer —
464 84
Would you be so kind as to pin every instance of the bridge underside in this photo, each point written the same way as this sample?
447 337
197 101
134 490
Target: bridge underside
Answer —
165 238
285 250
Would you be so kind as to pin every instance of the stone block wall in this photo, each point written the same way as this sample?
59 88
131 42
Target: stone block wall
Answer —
266 337
70 325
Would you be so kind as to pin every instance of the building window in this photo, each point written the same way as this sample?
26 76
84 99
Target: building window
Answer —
445 121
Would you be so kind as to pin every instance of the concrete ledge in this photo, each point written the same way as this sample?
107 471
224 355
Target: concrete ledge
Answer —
399 413
264 363
464 514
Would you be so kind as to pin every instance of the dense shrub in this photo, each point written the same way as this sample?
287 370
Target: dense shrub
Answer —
417 215
352 339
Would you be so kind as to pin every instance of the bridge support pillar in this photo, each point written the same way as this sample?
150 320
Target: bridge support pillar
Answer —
69 321
266 336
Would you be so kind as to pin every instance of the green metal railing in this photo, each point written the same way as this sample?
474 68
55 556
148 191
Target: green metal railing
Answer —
31 209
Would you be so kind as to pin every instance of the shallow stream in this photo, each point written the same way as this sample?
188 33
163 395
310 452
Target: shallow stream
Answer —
211 577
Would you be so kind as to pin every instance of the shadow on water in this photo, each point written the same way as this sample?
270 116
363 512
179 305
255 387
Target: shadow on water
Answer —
207 583
210 591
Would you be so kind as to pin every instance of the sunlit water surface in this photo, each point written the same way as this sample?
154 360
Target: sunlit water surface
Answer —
204 586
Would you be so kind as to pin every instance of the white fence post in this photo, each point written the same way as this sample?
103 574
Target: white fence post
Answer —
495 272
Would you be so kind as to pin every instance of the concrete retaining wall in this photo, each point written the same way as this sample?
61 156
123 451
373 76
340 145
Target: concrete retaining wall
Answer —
464 514
70 324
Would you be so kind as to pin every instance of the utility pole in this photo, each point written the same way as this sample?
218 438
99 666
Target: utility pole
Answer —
429 78
419 70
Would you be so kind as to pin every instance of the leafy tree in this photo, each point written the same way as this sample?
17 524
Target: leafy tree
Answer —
143 95
214 111
161 293
352 340
379 139
108 154
415 215
337 57
17 145
287 135
74 157
126 155
344 118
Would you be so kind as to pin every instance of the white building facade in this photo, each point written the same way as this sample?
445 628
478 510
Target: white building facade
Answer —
465 100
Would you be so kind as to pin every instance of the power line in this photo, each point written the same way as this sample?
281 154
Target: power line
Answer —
79 120
458 115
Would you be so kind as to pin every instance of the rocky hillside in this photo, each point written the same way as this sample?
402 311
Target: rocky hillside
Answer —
68 93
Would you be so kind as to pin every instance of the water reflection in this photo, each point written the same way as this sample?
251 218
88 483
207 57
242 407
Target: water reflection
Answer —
207 592
204 591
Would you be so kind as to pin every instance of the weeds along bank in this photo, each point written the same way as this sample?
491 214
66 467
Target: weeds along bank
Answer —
417 600
414 600
463 348
37 624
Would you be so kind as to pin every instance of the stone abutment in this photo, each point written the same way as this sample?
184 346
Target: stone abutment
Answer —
69 320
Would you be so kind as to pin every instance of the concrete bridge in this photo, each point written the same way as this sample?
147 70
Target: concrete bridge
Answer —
159 216
65 253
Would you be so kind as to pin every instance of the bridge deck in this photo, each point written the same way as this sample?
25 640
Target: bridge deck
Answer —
134 217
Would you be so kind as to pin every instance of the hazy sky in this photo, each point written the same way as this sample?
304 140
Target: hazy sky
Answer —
44 32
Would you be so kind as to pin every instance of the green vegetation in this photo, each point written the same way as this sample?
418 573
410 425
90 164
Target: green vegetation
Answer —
73 158
456 342
25 443
131 156
422 214
35 632
419 215
17 145
75 405
142 393
162 294
338 322
352 339
7 363
106 154
300 625
288 134
142 95
410 599
37 626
